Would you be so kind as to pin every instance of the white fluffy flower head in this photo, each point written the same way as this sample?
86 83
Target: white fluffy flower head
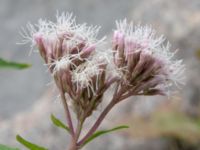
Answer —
140 50
84 67
70 47
140 56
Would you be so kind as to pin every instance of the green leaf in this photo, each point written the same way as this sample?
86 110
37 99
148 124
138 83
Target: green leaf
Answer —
11 64
28 144
4 147
101 132
58 123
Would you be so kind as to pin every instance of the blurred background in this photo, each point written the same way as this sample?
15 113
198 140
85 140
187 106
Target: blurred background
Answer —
28 97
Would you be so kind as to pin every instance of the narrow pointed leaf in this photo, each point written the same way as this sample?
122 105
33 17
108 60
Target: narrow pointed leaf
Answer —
4 147
28 144
58 123
13 65
102 132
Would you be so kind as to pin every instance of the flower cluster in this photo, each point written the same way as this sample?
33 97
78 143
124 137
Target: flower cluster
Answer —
84 68
72 52
147 66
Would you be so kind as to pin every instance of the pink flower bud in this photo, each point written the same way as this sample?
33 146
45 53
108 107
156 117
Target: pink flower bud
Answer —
118 45
85 53
38 38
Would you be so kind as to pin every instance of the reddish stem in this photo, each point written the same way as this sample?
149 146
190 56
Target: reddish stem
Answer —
73 145
66 108
97 123
102 115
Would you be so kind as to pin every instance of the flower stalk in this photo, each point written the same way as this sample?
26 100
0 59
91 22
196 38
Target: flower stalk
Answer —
98 121
67 112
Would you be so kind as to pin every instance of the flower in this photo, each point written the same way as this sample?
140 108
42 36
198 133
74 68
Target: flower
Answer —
83 68
139 63
150 66
75 58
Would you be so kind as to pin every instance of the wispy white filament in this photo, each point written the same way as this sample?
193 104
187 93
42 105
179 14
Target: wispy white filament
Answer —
144 38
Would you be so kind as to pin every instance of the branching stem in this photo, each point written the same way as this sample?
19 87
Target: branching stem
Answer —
102 116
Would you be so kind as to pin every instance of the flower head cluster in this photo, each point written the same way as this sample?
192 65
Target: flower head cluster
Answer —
148 67
84 68
72 52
